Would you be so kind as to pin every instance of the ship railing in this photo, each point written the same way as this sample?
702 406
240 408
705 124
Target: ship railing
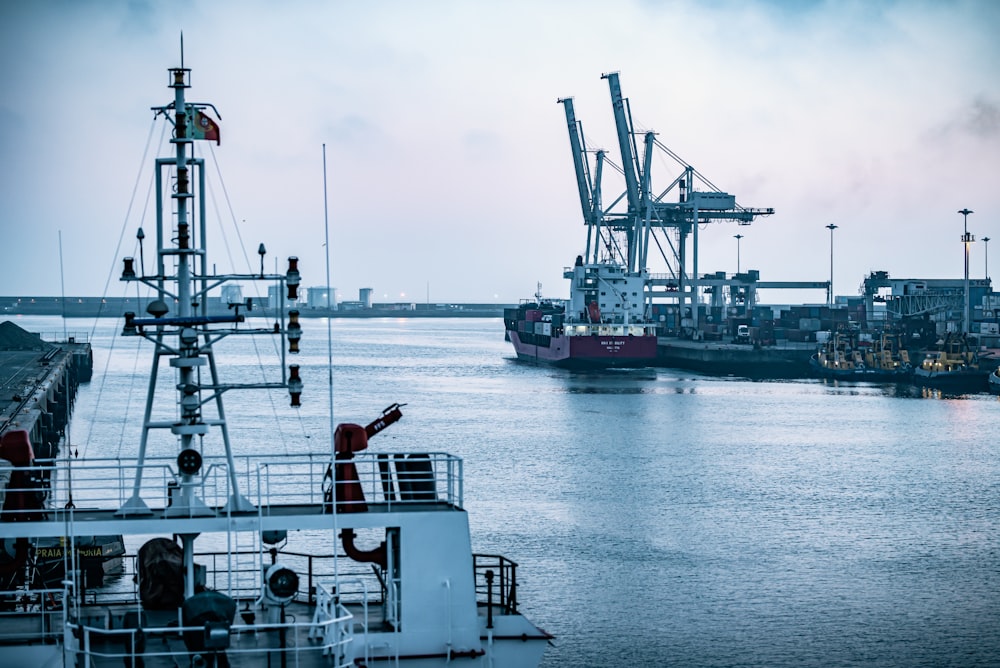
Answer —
554 302
496 582
53 489
336 637
328 633
354 582
28 616
222 570
65 337
608 329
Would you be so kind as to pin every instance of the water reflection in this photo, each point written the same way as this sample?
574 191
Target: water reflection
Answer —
627 381
891 390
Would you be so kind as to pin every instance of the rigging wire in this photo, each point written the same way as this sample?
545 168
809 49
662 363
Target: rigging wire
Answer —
246 258
128 213
62 287
329 366
232 214
107 283
329 297
132 377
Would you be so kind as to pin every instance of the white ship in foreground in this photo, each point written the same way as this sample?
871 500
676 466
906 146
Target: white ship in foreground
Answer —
223 545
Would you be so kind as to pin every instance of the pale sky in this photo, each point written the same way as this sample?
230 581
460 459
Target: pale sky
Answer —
449 167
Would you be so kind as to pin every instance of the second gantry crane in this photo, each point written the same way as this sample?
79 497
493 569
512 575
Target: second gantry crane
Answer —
640 217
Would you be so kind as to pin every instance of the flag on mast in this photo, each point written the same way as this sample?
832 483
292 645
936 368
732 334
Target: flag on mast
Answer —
202 126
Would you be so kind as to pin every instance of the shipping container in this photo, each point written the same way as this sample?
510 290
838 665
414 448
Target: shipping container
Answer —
763 312
796 335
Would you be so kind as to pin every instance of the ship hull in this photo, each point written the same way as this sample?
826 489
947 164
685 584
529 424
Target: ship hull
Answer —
952 381
586 352
725 359
863 374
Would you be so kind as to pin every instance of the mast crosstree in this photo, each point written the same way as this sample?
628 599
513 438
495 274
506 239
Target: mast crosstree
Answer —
186 337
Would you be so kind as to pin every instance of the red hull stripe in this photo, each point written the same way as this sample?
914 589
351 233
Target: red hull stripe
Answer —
589 349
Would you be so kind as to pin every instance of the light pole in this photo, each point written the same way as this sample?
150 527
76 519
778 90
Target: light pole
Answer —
986 263
829 299
966 240
737 237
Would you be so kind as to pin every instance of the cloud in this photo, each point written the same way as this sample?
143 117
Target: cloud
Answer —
482 145
141 17
355 131
12 126
981 119
445 139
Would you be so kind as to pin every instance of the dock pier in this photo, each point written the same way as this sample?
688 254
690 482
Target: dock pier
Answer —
38 385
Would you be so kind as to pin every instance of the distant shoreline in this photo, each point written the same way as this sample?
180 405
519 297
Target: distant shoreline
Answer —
116 307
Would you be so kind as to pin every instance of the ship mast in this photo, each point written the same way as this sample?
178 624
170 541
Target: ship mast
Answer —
186 338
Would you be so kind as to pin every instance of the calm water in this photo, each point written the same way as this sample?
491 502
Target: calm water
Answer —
661 517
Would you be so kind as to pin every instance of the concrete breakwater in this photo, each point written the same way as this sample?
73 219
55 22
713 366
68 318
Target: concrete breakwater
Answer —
38 385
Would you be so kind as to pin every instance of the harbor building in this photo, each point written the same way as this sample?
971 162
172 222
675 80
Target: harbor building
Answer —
231 294
321 297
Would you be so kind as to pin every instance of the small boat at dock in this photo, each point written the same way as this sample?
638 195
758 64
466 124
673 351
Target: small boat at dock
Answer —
846 357
952 367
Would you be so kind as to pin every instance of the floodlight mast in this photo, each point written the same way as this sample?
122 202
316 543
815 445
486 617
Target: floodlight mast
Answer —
966 240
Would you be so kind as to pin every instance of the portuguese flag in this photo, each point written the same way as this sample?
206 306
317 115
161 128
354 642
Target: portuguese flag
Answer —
203 127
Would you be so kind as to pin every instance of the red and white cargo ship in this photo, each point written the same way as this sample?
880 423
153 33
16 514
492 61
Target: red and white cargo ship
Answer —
603 324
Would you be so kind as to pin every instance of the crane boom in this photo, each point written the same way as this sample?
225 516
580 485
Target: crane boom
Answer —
624 140
579 162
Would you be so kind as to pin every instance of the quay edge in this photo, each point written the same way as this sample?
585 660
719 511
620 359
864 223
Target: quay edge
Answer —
38 385
790 360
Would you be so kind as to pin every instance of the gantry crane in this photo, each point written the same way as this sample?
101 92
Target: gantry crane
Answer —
625 236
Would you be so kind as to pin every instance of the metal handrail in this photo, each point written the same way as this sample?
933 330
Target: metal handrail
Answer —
292 479
332 634
504 592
